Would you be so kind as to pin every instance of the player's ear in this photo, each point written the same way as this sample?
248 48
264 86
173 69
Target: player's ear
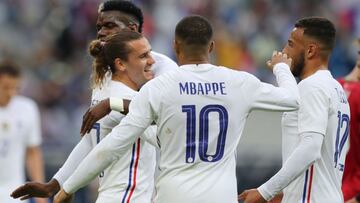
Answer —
134 27
212 46
119 64
312 50
176 46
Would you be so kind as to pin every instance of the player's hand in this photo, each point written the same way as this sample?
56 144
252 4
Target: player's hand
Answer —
41 200
277 198
251 196
93 114
278 57
36 189
63 197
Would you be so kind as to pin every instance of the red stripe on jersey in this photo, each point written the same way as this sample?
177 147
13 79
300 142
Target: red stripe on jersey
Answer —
310 183
135 170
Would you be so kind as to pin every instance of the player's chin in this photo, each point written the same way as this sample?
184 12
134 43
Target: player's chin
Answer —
149 74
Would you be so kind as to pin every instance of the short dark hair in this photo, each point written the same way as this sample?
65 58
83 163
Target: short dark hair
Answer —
9 68
125 7
194 30
320 29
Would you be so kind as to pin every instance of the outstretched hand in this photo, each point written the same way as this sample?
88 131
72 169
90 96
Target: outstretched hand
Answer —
36 189
251 196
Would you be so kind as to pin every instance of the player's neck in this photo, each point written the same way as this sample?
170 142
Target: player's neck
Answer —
312 67
3 103
193 60
123 78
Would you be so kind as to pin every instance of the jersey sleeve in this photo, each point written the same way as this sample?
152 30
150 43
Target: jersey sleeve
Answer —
306 153
313 112
78 153
163 64
266 96
150 136
113 146
34 128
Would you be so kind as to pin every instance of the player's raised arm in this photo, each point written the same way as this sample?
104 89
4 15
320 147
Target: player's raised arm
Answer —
266 96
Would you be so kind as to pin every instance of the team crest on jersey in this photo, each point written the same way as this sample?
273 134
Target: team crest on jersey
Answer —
4 127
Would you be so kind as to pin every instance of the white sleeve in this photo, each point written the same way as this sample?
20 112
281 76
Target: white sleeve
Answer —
113 146
76 156
266 96
34 136
306 153
150 136
313 114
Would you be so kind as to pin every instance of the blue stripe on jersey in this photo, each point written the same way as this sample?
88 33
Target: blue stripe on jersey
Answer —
305 185
130 173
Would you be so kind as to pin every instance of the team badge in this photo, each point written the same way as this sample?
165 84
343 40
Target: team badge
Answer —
4 127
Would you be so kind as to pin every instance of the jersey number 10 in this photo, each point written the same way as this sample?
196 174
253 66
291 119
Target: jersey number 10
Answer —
191 119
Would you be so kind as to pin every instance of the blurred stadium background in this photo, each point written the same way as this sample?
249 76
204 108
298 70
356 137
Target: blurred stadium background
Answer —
48 38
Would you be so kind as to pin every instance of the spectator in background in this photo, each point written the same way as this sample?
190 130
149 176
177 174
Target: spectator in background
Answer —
351 179
355 199
20 135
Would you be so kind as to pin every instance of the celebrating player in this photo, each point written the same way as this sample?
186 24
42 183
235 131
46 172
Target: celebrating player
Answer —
315 136
115 16
200 110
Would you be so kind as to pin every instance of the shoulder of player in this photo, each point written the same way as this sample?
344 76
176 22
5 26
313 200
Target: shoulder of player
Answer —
238 75
25 103
119 89
316 86
161 58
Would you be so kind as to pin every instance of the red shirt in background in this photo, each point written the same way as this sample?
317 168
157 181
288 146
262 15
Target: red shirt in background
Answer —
351 178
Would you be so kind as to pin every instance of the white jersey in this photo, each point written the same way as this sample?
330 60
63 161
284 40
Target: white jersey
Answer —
131 178
323 109
134 173
19 129
200 111
162 64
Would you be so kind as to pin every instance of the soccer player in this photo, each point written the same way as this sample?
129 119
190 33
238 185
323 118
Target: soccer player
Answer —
115 16
130 178
20 135
315 136
200 110
351 179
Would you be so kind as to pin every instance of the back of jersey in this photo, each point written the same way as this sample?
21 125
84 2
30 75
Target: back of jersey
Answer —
200 116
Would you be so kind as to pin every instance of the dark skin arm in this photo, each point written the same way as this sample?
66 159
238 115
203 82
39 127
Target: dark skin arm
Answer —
98 111
252 196
36 189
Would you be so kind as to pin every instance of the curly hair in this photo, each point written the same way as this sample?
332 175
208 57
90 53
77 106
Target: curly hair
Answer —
125 7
